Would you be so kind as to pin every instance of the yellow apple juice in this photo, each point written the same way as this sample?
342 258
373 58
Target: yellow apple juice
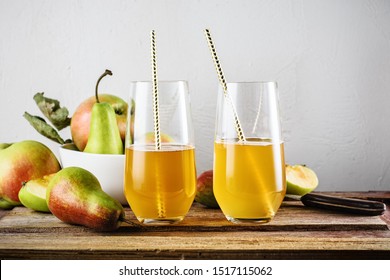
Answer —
160 185
249 179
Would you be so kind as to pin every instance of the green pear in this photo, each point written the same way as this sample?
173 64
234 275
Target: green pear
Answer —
81 118
74 196
33 193
21 162
104 136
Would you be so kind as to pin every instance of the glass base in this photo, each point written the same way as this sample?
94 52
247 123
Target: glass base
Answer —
249 220
160 221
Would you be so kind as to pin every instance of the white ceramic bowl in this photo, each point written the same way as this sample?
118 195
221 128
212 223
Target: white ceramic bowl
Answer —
108 169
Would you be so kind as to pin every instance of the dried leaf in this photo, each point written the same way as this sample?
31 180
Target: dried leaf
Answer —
43 128
52 110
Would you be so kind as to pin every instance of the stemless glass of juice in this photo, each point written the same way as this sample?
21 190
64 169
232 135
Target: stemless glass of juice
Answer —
249 175
160 183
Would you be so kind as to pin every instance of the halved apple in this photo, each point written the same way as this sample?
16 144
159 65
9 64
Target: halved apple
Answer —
33 194
300 179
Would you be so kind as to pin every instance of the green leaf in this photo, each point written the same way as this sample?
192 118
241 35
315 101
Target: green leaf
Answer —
52 110
44 128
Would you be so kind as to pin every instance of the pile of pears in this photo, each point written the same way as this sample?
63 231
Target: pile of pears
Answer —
73 194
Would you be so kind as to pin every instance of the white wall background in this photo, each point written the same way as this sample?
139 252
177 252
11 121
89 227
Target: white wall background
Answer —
331 59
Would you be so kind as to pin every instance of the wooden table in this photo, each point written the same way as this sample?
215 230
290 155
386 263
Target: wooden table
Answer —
297 232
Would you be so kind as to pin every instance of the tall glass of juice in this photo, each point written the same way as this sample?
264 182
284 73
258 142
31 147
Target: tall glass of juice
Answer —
249 171
160 182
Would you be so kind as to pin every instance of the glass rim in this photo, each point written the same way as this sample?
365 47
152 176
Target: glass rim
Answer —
251 140
253 82
158 82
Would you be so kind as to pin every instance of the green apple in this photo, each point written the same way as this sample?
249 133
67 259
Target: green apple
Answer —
33 193
21 162
300 179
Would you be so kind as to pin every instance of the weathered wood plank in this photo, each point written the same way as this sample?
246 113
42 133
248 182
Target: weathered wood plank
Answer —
297 232
246 241
291 216
197 255
187 245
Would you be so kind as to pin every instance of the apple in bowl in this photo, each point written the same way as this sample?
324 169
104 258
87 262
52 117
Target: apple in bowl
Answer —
81 119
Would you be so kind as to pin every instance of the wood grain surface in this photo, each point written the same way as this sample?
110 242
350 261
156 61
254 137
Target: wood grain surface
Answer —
297 232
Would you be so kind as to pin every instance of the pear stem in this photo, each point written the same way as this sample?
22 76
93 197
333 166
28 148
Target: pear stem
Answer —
107 72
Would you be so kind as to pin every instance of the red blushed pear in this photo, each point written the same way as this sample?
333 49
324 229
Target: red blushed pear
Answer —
80 123
22 162
74 196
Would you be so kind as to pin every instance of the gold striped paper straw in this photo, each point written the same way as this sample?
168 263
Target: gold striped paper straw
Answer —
157 136
240 132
